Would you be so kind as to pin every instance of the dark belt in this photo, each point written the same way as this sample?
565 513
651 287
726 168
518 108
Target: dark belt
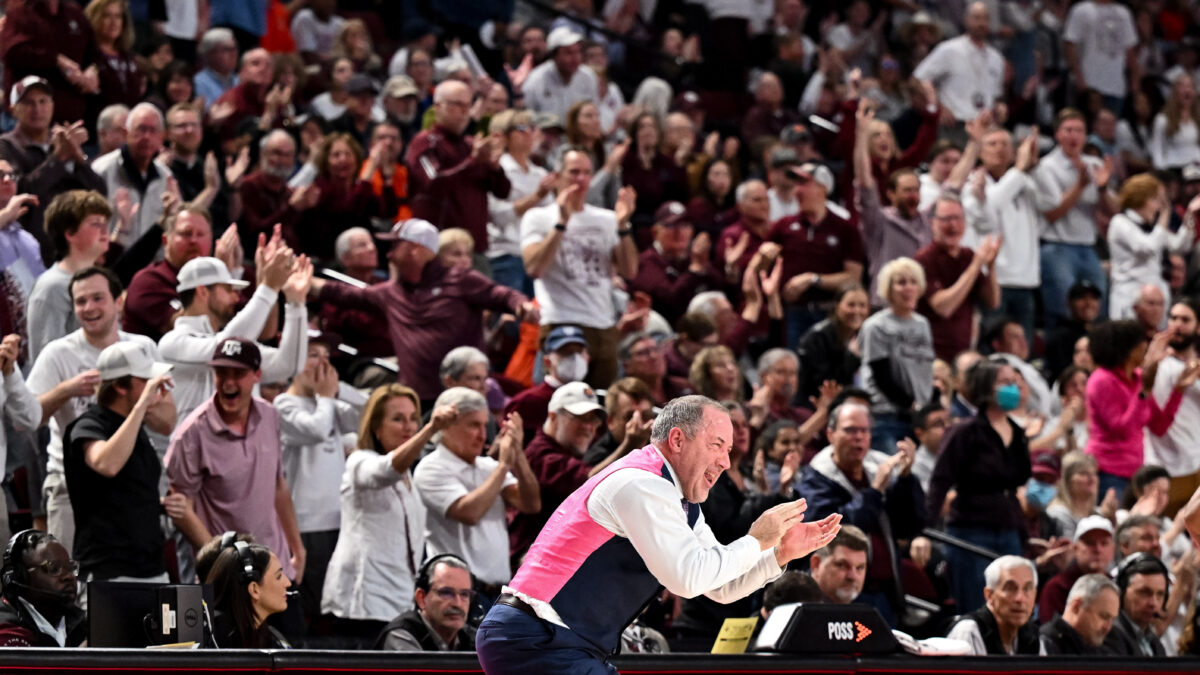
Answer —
516 603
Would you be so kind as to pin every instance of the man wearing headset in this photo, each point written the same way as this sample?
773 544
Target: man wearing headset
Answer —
439 621
1144 583
38 608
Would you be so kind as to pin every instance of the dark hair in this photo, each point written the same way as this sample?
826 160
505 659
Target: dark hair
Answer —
321 158
233 595
838 296
633 132
942 145
791 586
849 393
114 284
695 326
1123 534
766 440
209 552
67 210
171 71
921 417
186 297
995 330
1188 302
107 394
981 383
730 199
894 179
1143 477
1068 373
424 578
1111 342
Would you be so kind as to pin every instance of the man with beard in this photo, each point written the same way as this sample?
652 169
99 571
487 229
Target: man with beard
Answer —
1002 627
1175 448
266 198
889 232
64 378
957 278
840 569
210 297
38 607
400 101
226 458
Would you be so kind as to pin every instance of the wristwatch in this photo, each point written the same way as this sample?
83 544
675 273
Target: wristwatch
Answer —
627 232
561 227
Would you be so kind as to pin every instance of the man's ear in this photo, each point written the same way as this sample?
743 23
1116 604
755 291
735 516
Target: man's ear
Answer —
814 563
419 596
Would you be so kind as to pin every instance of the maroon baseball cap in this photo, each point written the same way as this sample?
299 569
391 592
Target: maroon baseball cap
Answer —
236 352
671 214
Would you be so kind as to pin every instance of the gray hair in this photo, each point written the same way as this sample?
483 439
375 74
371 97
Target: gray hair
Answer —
440 91
213 38
686 413
466 400
144 107
997 568
945 197
457 360
654 96
1089 587
706 303
626 346
739 194
271 136
108 117
772 356
341 246
836 413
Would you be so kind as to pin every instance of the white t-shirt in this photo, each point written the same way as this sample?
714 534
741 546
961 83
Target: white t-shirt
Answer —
1010 209
968 78
323 105
183 18
1102 33
577 287
780 207
61 360
443 478
1178 450
545 90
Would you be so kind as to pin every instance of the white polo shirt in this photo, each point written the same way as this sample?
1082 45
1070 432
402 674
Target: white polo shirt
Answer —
443 478
969 78
1055 174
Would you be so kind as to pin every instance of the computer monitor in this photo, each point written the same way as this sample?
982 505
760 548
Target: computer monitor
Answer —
139 614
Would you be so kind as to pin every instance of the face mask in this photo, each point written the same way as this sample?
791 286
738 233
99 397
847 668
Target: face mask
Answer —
1038 494
1008 397
571 368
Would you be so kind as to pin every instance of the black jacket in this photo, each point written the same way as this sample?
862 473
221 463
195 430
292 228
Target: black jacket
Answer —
412 623
1122 640
18 629
1058 637
823 356
1027 635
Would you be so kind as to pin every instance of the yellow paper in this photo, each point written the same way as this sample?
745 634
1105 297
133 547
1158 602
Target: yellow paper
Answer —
734 636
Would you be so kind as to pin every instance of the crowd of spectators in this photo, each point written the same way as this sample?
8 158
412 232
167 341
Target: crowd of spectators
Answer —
351 295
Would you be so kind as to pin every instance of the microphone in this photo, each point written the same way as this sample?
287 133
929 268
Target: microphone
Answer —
31 593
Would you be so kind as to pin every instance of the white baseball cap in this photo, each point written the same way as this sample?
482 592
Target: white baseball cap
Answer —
576 398
1092 523
205 271
129 358
562 37
417 231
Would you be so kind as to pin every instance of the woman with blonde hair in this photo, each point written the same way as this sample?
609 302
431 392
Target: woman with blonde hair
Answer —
1137 238
1077 493
382 539
715 374
1175 138
121 79
897 354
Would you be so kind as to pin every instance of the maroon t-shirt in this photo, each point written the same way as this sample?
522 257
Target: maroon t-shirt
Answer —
950 335
823 247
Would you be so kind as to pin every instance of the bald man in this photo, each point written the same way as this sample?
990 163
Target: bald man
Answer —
451 175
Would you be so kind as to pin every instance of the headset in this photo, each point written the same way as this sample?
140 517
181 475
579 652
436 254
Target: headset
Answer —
423 580
13 574
245 555
1140 563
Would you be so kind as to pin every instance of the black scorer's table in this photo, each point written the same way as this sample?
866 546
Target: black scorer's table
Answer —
297 662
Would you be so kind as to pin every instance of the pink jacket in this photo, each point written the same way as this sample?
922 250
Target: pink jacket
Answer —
1117 415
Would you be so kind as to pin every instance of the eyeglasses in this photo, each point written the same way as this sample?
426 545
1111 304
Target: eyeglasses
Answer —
855 431
54 568
519 127
449 594
10 175
644 353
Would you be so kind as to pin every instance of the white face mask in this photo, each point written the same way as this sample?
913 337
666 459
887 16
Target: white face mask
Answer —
571 368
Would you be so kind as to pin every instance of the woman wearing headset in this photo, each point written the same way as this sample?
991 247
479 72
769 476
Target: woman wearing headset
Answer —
250 586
